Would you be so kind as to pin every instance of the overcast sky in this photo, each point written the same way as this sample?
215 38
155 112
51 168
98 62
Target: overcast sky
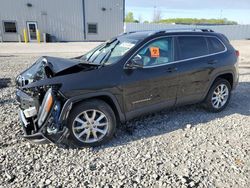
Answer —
237 10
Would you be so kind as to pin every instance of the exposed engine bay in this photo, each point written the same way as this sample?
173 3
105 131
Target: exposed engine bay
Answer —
41 105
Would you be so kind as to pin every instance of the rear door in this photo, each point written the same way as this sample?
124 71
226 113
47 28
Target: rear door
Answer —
155 85
194 68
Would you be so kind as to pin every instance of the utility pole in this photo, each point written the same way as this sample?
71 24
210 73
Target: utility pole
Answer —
221 11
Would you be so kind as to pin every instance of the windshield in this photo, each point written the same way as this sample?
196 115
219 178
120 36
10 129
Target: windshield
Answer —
109 52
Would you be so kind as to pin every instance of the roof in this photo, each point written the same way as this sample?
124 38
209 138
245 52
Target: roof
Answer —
144 34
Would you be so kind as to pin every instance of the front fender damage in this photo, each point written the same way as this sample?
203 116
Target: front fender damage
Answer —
40 117
41 100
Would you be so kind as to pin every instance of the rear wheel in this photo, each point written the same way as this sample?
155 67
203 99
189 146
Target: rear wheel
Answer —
218 96
91 123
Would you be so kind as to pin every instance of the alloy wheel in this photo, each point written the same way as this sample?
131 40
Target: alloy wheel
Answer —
220 96
90 126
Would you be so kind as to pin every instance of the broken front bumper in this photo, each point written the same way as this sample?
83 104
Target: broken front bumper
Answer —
37 138
41 136
35 123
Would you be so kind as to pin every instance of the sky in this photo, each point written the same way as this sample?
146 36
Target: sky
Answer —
236 10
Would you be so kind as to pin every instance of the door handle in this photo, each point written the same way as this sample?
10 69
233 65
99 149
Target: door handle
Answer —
172 69
212 62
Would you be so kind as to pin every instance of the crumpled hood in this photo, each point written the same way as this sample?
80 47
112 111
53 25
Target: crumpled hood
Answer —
59 64
48 67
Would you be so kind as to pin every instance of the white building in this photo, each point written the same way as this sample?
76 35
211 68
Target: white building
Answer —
65 20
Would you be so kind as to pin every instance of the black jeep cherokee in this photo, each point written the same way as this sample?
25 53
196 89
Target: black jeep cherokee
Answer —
80 101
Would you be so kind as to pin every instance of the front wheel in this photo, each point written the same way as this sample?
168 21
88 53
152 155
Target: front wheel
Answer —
218 96
91 123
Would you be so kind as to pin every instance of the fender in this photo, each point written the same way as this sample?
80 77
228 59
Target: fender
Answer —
216 76
69 103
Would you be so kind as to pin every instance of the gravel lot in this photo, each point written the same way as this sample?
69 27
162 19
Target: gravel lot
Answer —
182 147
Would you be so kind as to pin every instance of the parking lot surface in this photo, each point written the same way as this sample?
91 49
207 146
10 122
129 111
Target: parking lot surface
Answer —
181 147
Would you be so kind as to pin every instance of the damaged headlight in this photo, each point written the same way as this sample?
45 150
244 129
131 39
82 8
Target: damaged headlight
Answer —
46 107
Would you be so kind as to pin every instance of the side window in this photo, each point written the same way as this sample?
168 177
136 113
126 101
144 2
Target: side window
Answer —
214 45
157 52
192 46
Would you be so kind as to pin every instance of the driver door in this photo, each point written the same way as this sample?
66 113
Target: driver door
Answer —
153 86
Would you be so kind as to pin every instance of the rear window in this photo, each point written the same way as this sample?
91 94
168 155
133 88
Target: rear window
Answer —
192 46
214 45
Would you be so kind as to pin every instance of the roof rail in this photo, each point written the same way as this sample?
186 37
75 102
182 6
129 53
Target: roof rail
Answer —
184 29
153 32
129 32
206 30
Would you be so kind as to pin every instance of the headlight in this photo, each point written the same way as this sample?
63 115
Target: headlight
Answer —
45 107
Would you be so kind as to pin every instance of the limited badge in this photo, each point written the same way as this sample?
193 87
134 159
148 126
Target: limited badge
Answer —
154 52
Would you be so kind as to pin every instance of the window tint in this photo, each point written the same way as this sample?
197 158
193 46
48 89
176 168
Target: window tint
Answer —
157 52
9 27
92 28
192 46
214 45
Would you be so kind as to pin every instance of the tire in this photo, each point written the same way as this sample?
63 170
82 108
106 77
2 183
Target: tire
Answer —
213 96
87 130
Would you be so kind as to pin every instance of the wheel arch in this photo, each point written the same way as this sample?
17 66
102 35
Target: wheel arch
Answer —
227 75
110 99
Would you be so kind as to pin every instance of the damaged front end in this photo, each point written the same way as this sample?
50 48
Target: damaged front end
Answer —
39 113
41 101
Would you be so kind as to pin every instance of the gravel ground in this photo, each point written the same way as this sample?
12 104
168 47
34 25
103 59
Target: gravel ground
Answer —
182 147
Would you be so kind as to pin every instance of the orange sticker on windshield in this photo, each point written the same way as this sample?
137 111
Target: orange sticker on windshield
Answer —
154 52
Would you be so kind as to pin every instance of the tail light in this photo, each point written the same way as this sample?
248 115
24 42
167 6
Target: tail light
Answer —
237 53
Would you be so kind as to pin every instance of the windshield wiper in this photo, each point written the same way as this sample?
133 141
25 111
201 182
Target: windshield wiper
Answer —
104 46
107 56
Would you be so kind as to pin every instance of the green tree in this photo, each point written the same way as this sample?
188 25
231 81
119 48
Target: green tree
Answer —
197 21
129 17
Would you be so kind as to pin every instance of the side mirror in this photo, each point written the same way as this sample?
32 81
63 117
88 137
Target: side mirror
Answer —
135 63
